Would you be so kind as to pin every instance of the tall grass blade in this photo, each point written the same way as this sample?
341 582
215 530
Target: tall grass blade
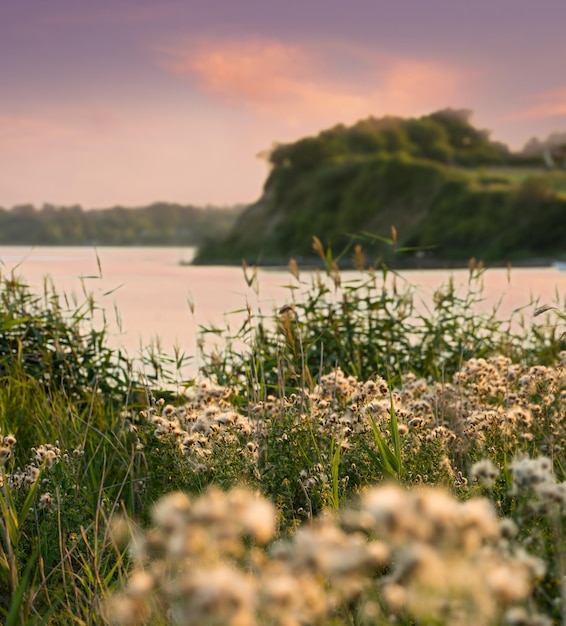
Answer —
15 615
387 460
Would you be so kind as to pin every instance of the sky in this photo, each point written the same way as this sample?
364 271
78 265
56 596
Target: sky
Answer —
129 102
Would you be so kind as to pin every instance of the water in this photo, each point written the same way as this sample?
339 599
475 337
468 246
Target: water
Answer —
151 290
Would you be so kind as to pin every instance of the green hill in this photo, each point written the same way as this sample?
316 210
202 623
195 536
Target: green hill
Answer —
447 188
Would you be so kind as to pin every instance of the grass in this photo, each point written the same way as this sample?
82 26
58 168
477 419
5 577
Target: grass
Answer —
360 457
554 179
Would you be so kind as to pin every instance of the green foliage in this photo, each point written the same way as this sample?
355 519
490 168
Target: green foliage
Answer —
449 190
447 136
56 344
494 222
389 461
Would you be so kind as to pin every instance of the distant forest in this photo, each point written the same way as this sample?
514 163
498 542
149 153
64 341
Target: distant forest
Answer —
160 224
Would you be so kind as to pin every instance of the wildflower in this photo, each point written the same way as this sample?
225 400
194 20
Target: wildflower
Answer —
552 493
168 410
46 501
485 473
395 596
258 519
140 583
171 512
127 611
530 473
508 583
46 454
215 596
31 475
9 440
16 480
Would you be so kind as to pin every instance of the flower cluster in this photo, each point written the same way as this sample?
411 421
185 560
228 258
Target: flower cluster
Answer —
485 472
450 559
485 396
206 414
7 442
536 477
418 553
42 457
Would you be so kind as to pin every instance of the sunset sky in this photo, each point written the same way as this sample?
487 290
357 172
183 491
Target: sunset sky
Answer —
129 102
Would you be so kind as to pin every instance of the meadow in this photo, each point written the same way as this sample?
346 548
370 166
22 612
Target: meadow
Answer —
353 458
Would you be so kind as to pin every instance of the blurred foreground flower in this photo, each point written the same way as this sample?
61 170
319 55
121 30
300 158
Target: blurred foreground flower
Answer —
418 554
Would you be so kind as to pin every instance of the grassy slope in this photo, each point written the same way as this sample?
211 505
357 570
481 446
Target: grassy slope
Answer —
494 213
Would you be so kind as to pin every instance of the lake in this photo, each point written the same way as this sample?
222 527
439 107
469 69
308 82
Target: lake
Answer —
151 290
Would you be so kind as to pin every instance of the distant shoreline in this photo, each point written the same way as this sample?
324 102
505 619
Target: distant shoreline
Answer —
313 263
395 264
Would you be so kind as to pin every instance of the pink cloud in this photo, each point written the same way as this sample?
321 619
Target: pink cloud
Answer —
327 81
268 76
549 104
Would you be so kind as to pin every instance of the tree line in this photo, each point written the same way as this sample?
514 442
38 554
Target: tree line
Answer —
160 223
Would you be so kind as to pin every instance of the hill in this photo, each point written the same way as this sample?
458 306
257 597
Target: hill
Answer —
448 189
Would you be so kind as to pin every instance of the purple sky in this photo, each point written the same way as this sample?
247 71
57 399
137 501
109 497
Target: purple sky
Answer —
130 102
